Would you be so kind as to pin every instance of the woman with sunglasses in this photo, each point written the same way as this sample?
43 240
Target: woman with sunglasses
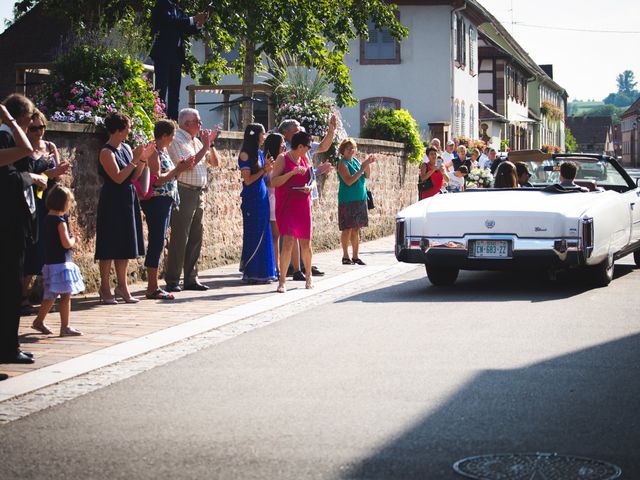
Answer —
45 160
294 182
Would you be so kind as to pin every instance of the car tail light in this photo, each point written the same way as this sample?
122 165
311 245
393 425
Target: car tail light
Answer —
400 233
586 235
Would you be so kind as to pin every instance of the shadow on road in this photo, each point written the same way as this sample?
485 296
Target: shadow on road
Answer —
487 286
584 404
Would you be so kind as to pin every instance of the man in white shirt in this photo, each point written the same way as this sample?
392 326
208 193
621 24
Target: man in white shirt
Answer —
186 223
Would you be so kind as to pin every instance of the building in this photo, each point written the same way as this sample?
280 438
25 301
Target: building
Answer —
594 134
630 132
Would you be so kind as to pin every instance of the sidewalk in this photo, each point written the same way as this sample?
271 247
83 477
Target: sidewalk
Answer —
106 326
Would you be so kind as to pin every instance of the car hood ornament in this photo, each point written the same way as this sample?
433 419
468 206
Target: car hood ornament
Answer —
489 223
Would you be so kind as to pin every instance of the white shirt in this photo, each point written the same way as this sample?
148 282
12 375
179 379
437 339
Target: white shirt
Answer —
484 162
183 146
455 182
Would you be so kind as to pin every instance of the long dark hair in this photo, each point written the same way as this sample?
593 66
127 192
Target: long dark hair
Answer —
506 176
273 144
250 144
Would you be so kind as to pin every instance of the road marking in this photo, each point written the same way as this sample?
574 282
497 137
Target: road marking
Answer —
55 384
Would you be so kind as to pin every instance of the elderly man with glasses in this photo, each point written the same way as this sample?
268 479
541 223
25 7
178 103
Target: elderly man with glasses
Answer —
186 223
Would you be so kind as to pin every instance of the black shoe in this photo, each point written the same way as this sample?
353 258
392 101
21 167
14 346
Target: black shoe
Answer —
17 358
173 288
299 276
315 272
28 354
196 286
3 376
357 261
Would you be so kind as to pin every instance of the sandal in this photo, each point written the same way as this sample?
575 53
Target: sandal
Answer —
281 288
43 329
70 332
309 284
346 261
160 294
357 261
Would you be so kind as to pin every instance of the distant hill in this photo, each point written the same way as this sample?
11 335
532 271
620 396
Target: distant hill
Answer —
579 107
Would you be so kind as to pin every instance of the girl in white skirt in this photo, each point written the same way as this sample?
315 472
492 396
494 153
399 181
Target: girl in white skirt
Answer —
61 277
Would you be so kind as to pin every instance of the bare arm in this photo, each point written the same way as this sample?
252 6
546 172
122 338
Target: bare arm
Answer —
326 142
247 177
425 173
108 162
23 146
277 177
65 239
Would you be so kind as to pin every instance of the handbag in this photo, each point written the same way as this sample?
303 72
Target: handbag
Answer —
370 204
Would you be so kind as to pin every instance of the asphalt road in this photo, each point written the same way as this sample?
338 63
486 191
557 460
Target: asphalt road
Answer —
393 383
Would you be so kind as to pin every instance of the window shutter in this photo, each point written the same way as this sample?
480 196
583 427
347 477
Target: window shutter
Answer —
455 37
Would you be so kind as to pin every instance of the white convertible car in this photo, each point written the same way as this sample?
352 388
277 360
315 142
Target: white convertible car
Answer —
546 227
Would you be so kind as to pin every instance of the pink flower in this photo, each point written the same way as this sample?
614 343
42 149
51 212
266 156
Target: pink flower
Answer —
86 108
71 107
109 109
94 103
74 91
99 93
128 94
130 105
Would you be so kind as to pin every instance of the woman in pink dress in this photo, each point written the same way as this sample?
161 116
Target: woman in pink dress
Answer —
293 182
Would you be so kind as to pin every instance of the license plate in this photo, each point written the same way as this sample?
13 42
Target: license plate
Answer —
490 248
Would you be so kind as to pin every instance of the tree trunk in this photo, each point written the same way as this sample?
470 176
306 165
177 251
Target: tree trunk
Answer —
247 83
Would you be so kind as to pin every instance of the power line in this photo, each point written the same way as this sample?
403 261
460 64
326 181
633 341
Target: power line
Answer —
569 29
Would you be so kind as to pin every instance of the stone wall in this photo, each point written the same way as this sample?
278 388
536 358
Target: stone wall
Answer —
393 185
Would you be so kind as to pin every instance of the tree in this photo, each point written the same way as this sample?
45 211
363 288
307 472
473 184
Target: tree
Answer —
317 32
570 142
626 83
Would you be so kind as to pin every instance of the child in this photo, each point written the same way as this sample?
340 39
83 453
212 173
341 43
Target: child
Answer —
457 178
60 275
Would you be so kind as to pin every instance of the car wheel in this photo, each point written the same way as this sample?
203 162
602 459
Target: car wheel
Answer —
442 276
636 257
602 274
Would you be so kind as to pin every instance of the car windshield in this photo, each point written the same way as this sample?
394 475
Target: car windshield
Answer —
603 173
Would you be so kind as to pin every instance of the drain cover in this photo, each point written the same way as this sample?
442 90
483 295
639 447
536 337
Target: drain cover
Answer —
535 466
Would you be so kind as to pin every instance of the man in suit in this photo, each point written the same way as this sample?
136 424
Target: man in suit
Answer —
171 26
16 117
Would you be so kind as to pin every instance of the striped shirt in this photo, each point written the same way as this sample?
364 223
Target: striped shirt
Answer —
183 146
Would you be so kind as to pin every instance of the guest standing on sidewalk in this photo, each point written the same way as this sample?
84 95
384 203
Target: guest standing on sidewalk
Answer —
119 235
293 181
164 197
44 160
15 114
352 199
186 223
257 262
274 146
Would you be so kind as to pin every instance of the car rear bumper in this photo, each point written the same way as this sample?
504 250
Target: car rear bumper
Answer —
523 252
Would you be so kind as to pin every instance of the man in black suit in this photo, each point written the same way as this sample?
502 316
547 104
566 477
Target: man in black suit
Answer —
16 116
171 26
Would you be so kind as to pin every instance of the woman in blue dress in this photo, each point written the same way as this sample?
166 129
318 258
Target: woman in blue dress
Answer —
257 262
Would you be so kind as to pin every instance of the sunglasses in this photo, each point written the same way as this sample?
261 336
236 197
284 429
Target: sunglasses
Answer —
36 128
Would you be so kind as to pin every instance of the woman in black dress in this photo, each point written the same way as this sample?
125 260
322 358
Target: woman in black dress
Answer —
119 224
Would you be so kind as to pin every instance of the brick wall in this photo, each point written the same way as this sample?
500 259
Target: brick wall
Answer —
393 184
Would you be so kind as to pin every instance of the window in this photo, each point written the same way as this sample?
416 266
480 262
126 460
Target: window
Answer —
463 119
461 40
472 120
380 48
456 118
369 103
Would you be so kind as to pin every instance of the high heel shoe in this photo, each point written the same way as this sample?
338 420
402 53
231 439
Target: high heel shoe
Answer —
107 301
129 299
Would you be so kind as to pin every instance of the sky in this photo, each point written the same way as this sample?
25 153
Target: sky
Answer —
586 60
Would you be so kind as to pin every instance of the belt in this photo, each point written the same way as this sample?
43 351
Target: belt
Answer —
191 187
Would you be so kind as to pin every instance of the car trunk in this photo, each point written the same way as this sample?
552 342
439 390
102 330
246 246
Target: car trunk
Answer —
527 214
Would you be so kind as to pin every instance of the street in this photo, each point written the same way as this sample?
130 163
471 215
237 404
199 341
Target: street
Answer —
398 381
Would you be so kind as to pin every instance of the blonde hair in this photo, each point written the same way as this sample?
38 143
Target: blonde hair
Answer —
38 115
345 143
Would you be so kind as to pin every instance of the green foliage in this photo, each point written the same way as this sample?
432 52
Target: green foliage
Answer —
317 32
626 83
89 82
570 142
396 126
607 110
504 145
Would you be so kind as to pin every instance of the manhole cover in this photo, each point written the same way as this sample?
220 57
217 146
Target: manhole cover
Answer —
535 466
